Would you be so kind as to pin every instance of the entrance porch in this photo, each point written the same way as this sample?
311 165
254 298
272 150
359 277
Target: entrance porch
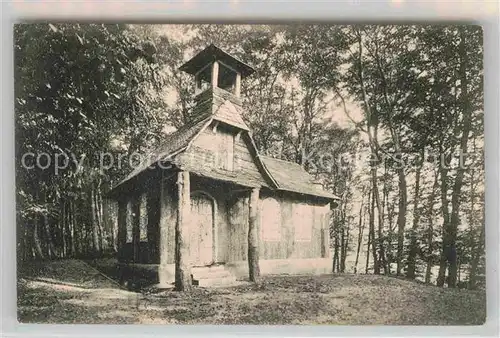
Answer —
192 227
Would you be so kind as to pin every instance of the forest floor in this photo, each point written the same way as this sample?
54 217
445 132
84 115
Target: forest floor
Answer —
71 291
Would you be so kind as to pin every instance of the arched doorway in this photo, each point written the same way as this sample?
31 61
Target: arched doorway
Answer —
202 234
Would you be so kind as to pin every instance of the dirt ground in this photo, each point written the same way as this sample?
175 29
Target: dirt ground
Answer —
71 291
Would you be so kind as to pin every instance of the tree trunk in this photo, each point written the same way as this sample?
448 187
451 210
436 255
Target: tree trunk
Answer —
100 217
478 244
342 250
360 235
367 264
183 280
74 233
376 267
443 172
381 248
21 247
69 238
428 270
50 242
475 259
63 222
346 246
449 254
390 221
378 259
31 248
23 232
412 255
457 187
401 219
385 244
95 226
335 254
253 244
372 132
430 230
36 240
344 234
458 270
395 136
335 267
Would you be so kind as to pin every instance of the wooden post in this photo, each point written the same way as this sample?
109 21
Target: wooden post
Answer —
237 85
215 74
122 225
253 239
153 230
182 270
136 226
164 224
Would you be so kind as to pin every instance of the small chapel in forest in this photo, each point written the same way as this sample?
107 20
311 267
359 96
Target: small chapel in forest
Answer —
207 208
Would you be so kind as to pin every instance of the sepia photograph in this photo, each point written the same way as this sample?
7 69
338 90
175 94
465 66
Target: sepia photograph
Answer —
286 174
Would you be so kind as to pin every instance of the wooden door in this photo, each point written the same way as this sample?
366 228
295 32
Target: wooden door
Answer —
201 234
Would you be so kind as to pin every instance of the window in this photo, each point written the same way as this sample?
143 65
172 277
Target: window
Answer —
303 220
270 223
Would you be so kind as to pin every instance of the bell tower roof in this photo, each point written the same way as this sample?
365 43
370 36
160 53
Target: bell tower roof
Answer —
213 53
217 78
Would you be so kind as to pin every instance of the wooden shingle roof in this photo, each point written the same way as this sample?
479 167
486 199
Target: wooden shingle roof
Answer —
231 114
212 53
239 178
292 177
286 176
173 143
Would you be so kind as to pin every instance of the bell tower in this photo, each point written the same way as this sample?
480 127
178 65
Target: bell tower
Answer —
217 77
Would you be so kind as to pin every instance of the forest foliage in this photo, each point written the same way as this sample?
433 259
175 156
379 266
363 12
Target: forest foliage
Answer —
389 118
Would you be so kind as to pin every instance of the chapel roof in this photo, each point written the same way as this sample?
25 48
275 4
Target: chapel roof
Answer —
290 176
172 144
287 176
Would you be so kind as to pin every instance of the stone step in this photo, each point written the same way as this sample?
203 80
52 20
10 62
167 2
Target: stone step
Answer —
211 274
207 282
214 275
197 269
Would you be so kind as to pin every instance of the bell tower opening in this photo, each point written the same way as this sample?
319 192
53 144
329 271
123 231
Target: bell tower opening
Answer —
213 68
228 78
224 77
